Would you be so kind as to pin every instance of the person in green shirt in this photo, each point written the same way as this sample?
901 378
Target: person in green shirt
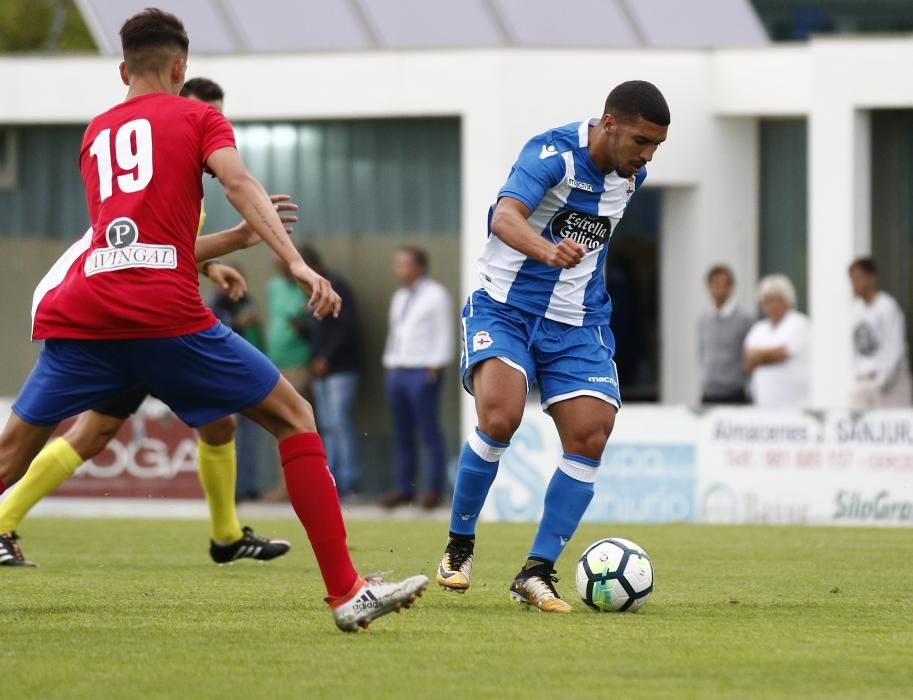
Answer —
285 302
242 315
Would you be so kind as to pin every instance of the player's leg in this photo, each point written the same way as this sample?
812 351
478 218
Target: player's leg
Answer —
19 443
67 379
497 369
579 389
355 601
217 468
215 372
584 424
500 396
312 491
217 465
55 463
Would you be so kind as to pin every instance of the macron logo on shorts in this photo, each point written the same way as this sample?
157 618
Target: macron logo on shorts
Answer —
602 380
124 251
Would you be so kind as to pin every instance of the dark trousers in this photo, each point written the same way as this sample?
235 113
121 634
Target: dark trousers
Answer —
413 396
737 397
248 439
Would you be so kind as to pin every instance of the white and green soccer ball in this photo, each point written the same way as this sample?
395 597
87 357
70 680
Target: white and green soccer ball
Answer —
615 575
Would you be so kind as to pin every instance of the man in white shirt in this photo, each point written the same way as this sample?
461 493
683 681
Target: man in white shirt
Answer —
776 348
420 343
882 371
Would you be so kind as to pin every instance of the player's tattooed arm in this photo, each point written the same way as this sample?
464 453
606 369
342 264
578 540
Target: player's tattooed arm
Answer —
214 245
509 223
247 195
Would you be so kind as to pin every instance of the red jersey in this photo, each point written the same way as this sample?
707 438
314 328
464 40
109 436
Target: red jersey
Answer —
134 274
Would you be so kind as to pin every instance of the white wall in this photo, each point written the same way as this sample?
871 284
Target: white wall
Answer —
709 164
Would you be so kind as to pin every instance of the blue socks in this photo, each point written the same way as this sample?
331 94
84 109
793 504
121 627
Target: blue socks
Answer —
568 495
476 472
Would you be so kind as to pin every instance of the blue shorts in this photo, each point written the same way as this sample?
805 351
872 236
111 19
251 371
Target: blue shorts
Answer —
201 377
566 361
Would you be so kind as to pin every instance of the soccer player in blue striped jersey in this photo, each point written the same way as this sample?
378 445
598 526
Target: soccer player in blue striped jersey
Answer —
542 316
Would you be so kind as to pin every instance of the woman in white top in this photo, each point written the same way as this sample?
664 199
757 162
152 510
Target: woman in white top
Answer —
776 348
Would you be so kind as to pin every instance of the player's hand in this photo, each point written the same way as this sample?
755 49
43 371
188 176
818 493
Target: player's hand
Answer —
283 204
323 299
565 254
320 367
228 279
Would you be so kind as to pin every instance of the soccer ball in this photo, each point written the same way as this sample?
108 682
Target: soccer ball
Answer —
614 575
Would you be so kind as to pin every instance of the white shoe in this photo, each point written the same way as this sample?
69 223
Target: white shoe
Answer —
376 598
536 588
455 570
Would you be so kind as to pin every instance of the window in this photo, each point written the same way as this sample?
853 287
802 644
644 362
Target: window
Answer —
892 204
8 158
784 203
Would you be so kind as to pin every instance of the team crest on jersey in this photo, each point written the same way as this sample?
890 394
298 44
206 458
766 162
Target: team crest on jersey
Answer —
630 187
481 340
585 229
124 250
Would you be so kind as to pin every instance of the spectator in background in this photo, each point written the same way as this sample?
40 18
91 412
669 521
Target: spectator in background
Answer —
285 302
335 355
419 347
291 353
240 313
721 335
882 370
776 348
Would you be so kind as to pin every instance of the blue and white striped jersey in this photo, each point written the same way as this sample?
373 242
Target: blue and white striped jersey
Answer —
569 197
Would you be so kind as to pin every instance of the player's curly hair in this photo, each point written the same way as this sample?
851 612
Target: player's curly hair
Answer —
637 98
150 39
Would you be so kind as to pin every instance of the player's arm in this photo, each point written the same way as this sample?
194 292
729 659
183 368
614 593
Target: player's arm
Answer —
510 224
226 278
247 195
215 245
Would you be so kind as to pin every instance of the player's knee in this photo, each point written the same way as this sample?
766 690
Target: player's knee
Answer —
303 419
89 445
498 425
293 417
92 432
594 445
591 440
219 431
590 446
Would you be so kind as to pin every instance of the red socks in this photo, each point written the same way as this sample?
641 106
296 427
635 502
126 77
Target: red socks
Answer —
313 495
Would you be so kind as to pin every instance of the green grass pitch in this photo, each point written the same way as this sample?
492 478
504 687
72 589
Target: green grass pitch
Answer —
134 609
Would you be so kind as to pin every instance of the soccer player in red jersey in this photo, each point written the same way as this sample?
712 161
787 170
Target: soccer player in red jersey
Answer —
122 307
94 429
